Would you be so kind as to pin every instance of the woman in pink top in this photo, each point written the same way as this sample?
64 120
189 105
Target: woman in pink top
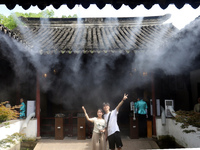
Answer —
98 136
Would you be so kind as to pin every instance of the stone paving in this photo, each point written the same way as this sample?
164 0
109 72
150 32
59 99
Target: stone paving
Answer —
74 144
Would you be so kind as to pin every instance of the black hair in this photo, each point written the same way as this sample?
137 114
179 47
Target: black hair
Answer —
100 110
106 104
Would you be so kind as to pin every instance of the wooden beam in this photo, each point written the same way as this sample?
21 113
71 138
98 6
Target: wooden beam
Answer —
38 105
154 105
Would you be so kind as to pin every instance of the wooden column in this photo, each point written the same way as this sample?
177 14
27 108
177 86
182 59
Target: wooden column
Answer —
154 105
18 90
38 105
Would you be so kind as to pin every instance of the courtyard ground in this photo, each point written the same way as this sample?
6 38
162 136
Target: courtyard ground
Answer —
74 144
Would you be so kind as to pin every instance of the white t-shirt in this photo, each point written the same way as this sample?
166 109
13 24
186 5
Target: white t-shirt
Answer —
99 124
112 125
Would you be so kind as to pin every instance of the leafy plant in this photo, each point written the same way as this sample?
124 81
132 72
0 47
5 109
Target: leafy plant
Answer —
25 139
11 140
12 21
189 131
7 113
28 143
167 141
7 124
188 118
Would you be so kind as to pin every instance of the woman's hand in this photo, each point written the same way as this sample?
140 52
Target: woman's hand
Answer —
83 108
125 97
102 131
86 115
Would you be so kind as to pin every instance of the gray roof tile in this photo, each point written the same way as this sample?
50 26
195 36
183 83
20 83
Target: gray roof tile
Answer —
95 34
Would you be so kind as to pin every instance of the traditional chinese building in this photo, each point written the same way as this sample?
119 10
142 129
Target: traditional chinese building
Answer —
65 63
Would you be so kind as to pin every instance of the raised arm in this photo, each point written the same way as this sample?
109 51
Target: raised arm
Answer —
86 115
122 101
17 106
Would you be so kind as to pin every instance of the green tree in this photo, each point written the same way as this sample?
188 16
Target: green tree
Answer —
12 20
74 16
64 16
8 22
43 14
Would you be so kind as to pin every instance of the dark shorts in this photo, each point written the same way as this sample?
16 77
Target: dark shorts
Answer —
115 139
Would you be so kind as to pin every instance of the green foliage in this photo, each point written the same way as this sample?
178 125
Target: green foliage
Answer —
28 143
12 20
11 140
188 118
74 16
43 14
189 131
8 22
7 113
26 139
7 124
64 16
167 141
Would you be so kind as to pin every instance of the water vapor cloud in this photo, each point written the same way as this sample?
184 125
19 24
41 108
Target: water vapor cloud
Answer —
77 79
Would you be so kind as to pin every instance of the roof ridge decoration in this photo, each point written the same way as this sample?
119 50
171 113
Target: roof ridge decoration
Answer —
151 20
10 33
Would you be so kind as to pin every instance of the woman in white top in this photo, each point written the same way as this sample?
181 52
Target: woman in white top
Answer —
98 136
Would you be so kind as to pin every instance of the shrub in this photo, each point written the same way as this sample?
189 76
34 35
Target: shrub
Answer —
166 141
188 118
7 113
11 140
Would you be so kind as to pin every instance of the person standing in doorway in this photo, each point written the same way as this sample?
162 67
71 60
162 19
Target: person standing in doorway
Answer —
113 132
197 106
135 104
22 108
8 104
98 135
141 109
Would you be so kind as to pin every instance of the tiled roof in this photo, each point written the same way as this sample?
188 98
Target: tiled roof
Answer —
8 32
66 36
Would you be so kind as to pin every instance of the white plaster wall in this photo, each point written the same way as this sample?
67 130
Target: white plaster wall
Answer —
160 128
188 140
31 130
15 126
